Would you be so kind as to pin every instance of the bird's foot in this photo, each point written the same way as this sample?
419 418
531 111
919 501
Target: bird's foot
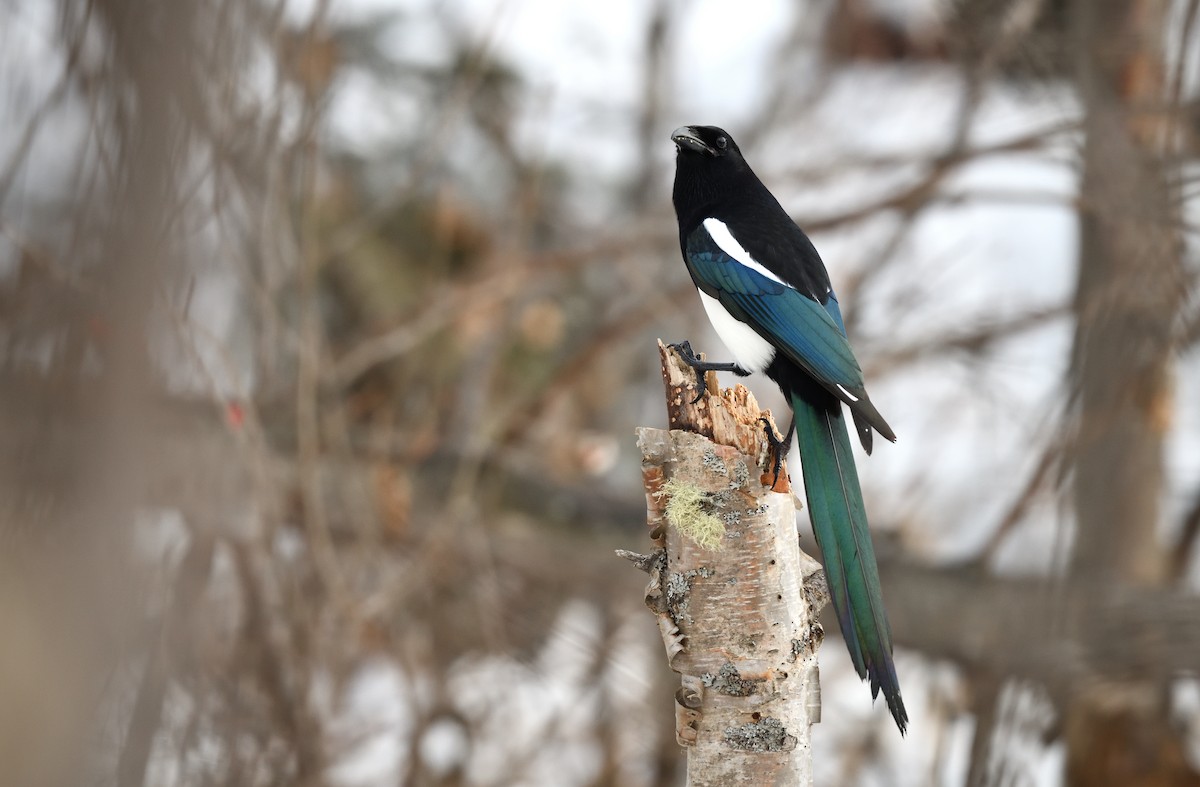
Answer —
701 367
779 448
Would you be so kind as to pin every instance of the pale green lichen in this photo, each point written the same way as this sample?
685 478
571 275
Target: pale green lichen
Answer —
688 511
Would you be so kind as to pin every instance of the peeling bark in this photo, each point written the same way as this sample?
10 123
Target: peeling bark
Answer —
739 621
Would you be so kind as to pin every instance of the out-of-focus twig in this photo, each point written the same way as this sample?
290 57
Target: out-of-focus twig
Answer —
975 340
940 168
1184 549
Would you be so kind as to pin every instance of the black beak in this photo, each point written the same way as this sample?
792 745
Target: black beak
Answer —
684 137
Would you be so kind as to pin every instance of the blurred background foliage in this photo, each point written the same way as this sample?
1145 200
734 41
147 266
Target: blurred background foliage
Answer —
324 327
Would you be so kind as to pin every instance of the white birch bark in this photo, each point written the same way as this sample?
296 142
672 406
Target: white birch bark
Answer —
739 623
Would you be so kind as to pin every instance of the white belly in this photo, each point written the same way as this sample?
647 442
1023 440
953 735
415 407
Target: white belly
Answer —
750 351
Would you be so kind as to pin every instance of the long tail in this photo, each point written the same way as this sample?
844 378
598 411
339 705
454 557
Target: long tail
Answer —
839 519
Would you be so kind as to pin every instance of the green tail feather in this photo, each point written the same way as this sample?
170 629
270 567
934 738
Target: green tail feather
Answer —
839 519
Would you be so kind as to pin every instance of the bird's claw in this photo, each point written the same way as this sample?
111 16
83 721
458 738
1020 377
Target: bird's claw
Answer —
700 367
684 348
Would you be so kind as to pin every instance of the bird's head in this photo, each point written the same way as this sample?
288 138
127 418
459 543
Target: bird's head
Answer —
706 142
709 168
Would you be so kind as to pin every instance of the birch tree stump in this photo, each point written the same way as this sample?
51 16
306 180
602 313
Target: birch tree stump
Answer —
735 598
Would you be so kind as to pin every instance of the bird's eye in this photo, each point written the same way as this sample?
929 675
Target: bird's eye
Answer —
722 142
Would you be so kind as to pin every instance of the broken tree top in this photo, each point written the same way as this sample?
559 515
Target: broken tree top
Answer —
731 417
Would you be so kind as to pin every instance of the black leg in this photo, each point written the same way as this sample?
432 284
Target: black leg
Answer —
779 447
684 349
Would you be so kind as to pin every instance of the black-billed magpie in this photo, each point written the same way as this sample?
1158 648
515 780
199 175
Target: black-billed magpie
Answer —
768 296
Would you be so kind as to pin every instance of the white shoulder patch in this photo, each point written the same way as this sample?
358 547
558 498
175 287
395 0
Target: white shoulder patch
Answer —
724 239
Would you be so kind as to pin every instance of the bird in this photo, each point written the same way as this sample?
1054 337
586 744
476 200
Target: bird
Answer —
769 298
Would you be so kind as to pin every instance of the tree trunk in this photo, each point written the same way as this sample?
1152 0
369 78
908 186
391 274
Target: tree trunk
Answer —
736 599
1128 293
1128 296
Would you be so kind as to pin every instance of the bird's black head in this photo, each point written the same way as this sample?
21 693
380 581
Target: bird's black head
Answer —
706 141
709 172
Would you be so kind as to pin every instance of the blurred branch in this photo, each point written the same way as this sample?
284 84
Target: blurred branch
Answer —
654 53
437 135
937 169
607 338
1012 626
482 298
479 297
1185 547
312 340
1049 456
985 696
1176 134
1029 142
189 582
18 158
975 341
